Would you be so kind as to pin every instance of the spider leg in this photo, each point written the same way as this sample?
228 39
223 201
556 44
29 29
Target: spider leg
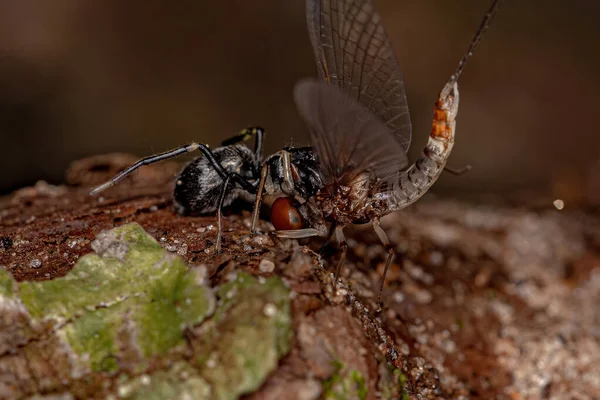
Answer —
247 134
146 161
288 184
220 213
288 178
247 185
264 172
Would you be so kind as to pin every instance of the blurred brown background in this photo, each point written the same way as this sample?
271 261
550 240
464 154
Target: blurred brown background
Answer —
82 78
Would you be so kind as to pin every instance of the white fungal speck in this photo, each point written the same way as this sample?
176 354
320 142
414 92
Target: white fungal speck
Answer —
171 247
398 297
270 310
266 265
559 204
436 258
182 250
145 379
35 263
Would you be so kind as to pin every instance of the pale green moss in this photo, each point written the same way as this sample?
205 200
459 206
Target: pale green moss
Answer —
135 283
247 336
402 384
181 381
7 284
132 301
344 384
392 383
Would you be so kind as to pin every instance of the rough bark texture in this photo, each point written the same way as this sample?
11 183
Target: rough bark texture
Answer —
486 301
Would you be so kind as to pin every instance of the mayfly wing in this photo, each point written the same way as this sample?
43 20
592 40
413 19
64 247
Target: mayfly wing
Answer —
348 137
353 52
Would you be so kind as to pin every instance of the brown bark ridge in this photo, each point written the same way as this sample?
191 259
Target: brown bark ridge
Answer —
483 300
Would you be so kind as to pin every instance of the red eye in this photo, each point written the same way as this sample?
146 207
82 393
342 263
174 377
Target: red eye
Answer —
284 216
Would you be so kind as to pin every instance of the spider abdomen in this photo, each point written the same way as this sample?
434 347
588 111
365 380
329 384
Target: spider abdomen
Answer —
199 186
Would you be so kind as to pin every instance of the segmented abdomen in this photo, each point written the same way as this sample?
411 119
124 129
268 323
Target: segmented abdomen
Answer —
418 178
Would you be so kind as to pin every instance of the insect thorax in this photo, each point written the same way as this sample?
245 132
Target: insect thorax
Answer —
304 168
349 202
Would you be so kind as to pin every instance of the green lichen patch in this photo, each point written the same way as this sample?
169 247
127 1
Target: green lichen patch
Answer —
401 379
130 282
243 342
392 383
123 308
344 384
7 285
181 381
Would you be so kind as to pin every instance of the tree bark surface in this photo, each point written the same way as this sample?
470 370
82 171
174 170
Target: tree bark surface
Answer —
483 300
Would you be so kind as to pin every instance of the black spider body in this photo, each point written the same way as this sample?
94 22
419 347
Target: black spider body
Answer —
199 185
304 169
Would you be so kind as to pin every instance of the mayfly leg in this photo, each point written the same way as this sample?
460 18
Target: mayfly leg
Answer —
329 236
390 250
458 171
339 236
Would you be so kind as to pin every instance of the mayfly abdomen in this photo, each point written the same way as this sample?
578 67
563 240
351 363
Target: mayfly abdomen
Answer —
417 179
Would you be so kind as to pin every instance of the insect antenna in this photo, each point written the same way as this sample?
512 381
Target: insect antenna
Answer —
476 39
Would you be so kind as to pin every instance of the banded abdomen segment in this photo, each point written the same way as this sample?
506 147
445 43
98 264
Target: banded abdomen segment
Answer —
412 183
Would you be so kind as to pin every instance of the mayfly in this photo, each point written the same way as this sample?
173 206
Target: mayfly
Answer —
359 124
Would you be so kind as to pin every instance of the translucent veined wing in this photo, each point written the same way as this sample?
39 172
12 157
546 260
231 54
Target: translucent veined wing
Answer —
352 51
348 138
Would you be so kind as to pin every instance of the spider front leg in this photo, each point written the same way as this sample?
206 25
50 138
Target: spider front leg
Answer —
287 185
172 154
147 161
264 172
